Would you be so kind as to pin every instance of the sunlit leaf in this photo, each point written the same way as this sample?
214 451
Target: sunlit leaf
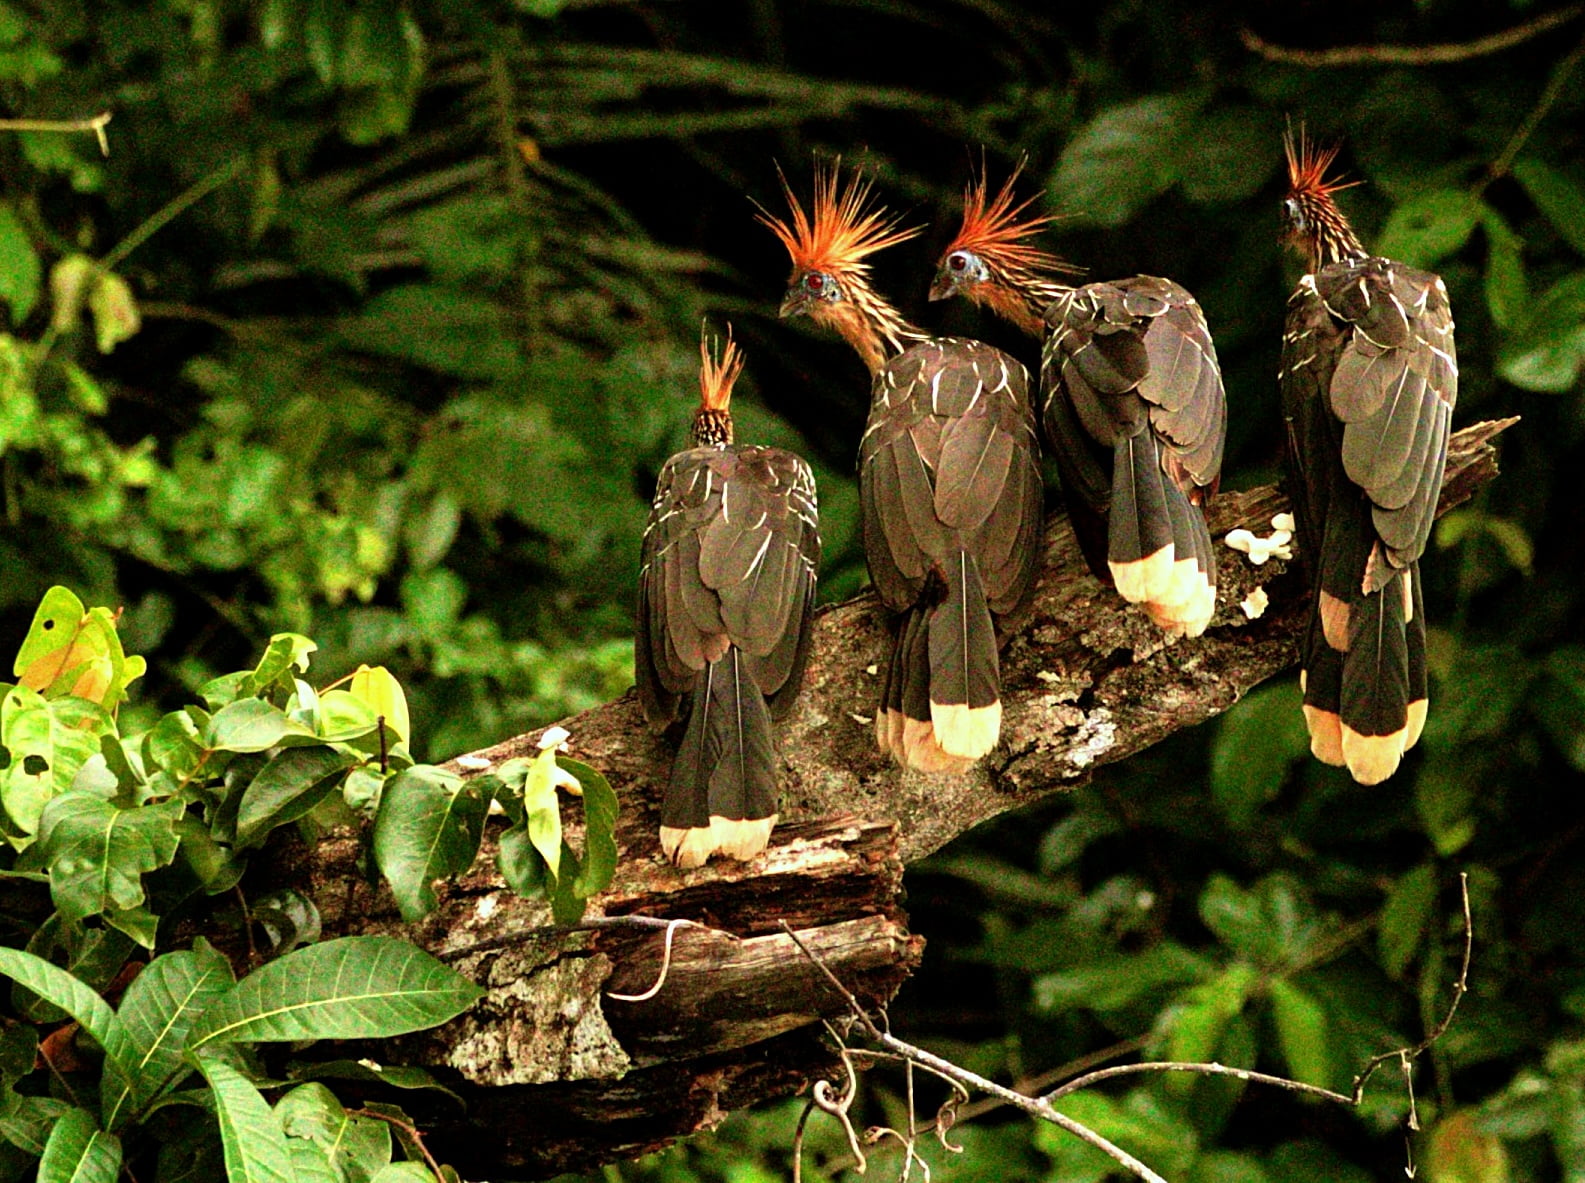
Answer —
48 742
378 688
428 826
114 309
74 650
350 988
284 658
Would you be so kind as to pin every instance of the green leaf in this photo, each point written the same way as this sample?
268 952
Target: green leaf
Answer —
1507 289
343 717
255 1146
542 809
378 689
1122 159
357 1147
27 1123
1119 980
1230 155
1196 1021
1547 348
1303 1033
79 1152
1256 744
97 853
284 658
1557 197
156 1014
428 827
1405 917
61 989
291 784
351 988
404 1172
249 725
1428 228
1140 1123
400 1076
600 808
1559 702
49 741
20 271
175 745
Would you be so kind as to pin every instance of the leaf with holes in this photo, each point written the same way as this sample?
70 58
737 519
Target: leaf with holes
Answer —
97 853
357 1147
49 741
74 650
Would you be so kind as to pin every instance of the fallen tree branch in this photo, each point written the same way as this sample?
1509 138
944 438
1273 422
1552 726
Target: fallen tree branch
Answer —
560 1076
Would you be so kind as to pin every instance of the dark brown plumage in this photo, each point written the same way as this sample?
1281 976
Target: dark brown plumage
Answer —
1133 404
949 485
726 592
1369 379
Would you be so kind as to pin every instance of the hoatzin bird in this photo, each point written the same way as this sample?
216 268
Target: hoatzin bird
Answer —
1369 377
949 482
1133 405
725 597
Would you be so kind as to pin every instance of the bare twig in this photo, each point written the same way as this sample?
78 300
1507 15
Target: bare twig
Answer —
1410 55
412 1131
1042 1107
1037 1107
1521 136
95 124
1460 988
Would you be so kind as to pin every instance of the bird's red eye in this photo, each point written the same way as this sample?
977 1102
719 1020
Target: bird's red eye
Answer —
814 281
957 262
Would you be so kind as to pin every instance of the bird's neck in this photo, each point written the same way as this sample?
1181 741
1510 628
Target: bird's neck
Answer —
876 330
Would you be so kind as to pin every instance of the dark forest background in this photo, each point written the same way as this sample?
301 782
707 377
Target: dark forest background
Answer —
379 318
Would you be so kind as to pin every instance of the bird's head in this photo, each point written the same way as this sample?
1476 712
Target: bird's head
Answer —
1312 224
712 422
992 261
828 245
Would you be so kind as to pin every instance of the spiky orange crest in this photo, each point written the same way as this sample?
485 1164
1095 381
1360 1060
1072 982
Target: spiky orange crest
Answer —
992 230
1308 163
841 231
717 375
1316 227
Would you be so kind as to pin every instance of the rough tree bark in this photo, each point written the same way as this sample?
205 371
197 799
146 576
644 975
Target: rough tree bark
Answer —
558 1076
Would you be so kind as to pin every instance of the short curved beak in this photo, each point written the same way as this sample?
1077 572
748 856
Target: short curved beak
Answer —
792 304
942 287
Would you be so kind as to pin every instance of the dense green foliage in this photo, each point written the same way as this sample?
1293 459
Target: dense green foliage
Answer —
379 317
118 838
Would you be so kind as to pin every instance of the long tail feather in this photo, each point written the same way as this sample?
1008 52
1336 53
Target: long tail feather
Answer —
1159 548
722 794
965 675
